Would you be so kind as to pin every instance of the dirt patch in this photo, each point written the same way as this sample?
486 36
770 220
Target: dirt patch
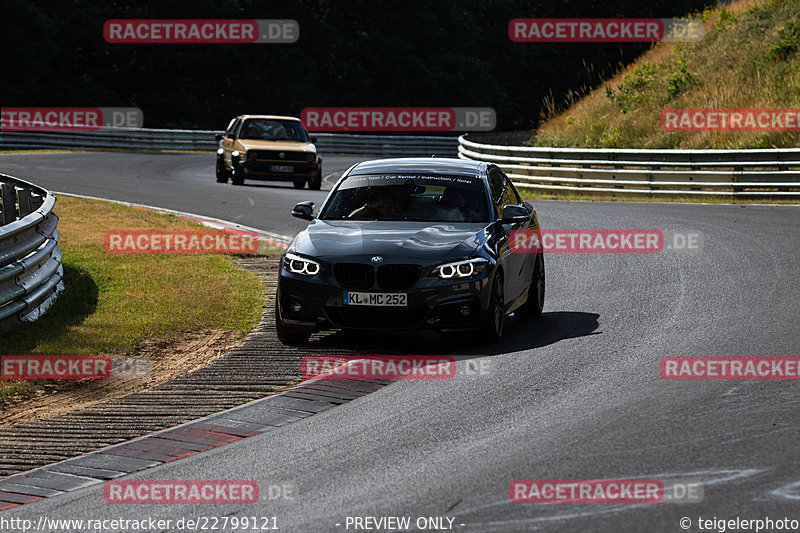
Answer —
168 359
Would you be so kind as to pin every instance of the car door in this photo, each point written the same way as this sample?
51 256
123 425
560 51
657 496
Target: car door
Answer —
497 190
518 270
523 263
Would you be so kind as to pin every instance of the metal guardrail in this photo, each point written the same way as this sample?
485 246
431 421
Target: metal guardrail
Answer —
31 274
630 172
204 140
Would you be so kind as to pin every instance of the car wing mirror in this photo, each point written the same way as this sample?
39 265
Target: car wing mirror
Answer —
218 137
304 210
515 214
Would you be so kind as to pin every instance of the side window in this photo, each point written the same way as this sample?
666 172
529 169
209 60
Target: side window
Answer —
497 188
510 196
231 127
237 129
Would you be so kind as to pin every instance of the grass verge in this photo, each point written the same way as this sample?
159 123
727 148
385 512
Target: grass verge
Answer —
112 303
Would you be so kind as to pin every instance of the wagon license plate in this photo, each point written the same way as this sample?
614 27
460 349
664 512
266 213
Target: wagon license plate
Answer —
281 168
377 299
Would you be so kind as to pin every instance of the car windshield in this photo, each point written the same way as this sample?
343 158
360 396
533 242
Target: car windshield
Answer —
409 197
270 129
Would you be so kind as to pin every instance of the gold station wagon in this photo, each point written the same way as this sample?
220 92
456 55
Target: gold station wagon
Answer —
267 147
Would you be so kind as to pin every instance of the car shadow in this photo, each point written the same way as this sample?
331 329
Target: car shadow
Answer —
268 185
519 334
277 185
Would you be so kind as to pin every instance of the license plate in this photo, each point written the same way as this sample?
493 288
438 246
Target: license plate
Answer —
281 168
377 299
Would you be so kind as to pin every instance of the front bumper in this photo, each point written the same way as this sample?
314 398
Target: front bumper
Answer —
440 305
260 169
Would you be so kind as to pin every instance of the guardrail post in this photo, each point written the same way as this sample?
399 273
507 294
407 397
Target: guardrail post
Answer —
8 195
24 201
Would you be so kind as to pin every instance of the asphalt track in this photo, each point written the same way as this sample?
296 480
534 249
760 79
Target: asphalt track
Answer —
575 394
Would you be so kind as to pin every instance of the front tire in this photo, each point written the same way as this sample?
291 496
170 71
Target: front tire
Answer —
222 172
315 183
532 308
288 334
495 321
237 177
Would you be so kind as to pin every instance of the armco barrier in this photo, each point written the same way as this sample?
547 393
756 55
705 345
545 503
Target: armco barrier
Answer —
31 274
629 172
204 140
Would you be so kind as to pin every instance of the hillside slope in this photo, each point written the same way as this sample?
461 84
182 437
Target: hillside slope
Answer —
748 58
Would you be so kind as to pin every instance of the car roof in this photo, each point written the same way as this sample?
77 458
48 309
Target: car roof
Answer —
269 116
420 165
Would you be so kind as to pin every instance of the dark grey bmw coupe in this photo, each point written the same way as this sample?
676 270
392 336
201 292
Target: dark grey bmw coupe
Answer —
405 244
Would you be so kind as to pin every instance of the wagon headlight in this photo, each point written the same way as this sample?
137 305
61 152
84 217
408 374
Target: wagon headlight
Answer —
300 265
461 269
252 155
311 157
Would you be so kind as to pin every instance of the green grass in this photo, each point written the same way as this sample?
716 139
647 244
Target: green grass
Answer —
112 302
748 58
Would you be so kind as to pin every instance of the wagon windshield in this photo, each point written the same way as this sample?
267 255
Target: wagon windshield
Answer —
409 197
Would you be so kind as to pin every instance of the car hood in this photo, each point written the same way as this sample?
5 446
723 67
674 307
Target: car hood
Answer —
397 242
292 146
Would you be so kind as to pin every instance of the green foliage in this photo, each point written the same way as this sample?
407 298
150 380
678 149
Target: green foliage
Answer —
725 21
788 40
630 91
678 81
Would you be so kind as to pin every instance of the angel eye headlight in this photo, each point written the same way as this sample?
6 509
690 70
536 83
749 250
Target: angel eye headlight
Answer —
300 265
464 270
461 269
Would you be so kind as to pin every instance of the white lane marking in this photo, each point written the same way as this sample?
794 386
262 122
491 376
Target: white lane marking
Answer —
252 203
787 492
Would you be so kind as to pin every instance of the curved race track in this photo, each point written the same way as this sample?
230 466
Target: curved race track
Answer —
576 394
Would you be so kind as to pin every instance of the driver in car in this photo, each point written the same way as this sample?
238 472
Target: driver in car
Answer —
384 202
454 204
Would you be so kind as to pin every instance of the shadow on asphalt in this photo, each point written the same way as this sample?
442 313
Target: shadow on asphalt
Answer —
266 184
519 335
